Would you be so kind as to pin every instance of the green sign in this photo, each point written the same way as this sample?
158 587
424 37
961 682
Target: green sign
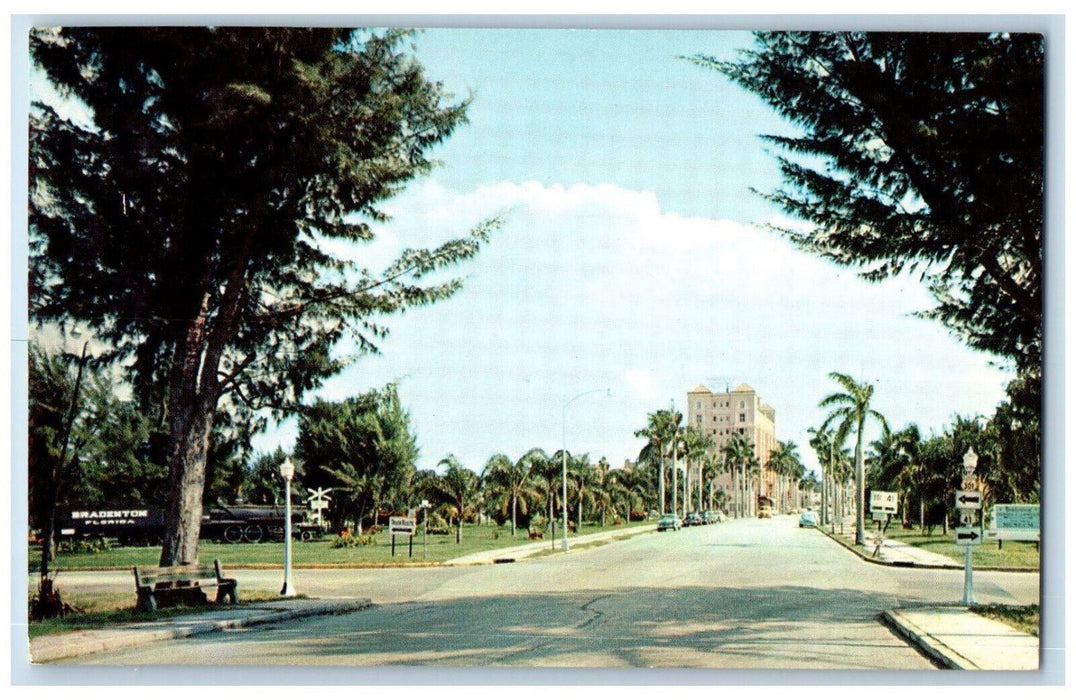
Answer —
1015 521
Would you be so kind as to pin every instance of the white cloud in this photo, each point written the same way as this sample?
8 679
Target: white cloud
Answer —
588 286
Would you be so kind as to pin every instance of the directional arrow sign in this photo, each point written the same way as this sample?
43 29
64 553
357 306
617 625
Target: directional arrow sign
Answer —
968 536
972 500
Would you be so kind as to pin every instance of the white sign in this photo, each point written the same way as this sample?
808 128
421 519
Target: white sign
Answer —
969 500
968 536
884 501
401 526
967 518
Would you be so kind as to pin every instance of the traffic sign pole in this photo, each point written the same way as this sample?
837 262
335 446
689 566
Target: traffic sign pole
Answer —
969 501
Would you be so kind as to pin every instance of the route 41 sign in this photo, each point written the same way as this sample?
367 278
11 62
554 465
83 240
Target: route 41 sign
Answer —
883 501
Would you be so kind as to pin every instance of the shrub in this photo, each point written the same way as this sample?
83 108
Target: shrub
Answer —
538 523
88 546
348 539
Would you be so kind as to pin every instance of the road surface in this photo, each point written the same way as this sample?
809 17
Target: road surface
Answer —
746 594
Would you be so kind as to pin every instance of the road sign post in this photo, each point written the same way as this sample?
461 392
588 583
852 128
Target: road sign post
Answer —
968 501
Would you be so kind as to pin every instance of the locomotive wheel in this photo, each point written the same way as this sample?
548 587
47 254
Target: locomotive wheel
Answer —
253 533
233 534
276 533
306 535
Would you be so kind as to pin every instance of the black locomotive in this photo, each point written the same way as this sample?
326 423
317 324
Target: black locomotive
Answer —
141 526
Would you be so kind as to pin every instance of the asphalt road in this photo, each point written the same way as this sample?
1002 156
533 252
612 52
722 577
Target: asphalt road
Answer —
749 594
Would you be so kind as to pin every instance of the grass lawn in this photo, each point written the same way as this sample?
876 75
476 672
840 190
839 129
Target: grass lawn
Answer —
439 548
1023 617
1014 554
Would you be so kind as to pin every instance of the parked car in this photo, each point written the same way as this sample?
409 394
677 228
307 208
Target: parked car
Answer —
693 519
669 521
808 518
765 512
714 516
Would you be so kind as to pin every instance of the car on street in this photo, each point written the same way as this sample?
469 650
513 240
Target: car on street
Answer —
669 521
693 519
765 512
808 518
714 516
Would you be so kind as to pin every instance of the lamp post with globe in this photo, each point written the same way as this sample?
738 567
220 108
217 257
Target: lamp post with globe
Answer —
287 470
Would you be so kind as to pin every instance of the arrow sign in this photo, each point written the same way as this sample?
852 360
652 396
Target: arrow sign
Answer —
972 500
968 536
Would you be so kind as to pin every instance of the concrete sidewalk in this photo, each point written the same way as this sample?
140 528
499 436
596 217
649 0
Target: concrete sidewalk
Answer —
56 647
510 554
952 635
960 639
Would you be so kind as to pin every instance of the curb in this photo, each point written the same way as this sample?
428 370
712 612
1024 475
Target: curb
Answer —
915 565
930 646
86 642
870 560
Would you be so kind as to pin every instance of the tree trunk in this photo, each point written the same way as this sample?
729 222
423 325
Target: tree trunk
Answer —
513 515
661 481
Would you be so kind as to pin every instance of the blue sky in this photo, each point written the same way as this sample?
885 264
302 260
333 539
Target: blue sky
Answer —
632 258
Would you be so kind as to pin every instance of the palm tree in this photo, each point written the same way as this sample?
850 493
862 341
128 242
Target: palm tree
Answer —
709 469
696 445
584 481
547 471
851 408
459 487
662 428
512 481
785 463
737 451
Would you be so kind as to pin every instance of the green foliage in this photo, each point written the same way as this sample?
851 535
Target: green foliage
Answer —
197 223
350 540
363 447
918 151
83 546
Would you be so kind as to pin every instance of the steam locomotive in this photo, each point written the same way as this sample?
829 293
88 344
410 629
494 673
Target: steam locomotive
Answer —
141 526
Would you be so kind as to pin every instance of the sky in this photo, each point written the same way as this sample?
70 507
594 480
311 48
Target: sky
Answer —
633 262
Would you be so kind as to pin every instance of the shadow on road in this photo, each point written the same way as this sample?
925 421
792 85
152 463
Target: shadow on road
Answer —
785 627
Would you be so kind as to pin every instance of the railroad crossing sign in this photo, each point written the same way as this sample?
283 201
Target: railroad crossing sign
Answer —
968 536
319 501
969 500
883 501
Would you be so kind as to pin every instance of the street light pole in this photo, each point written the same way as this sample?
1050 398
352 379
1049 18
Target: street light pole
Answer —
564 463
287 470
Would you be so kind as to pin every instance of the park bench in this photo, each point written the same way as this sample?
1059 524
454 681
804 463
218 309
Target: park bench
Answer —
181 584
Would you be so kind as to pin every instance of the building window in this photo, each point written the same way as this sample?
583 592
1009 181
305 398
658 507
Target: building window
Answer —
698 419
743 417
742 404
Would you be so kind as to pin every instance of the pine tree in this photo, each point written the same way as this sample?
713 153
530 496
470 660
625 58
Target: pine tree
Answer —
195 223
920 151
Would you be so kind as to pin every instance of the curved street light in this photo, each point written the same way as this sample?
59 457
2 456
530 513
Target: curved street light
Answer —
564 460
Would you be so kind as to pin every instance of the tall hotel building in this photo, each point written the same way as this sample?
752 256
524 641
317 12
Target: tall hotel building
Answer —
737 411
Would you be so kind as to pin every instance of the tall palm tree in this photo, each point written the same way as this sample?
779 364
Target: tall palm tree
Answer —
662 428
513 481
737 452
584 481
696 445
785 463
850 410
548 474
459 487
709 470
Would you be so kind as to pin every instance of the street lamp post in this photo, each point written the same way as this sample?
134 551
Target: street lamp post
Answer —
287 470
564 463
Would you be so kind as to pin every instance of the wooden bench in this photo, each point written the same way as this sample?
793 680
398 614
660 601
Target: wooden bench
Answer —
182 584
